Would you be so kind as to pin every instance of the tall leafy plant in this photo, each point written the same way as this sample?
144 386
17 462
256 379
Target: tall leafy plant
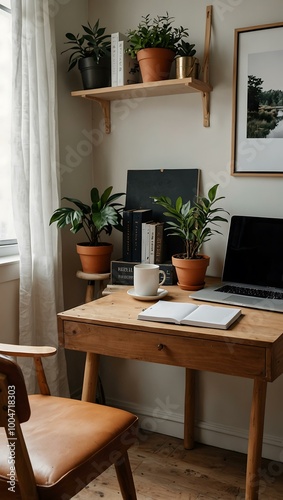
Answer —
103 214
193 223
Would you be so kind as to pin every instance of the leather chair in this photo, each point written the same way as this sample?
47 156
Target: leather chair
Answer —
56 445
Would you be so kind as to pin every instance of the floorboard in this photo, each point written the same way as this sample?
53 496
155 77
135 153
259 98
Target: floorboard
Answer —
163 470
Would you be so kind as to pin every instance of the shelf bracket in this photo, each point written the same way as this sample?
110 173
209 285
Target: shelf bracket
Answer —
206 108
105 105
206 95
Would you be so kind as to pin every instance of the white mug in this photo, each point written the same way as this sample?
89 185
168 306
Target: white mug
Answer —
147 279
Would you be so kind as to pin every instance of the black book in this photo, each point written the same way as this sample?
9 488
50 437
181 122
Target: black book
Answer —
127 234
158 255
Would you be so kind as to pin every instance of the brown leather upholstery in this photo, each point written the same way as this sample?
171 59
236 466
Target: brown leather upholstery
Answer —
70 443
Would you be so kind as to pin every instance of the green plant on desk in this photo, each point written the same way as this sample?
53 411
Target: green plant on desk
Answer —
192 222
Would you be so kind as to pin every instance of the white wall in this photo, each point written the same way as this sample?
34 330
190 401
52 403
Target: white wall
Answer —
167 132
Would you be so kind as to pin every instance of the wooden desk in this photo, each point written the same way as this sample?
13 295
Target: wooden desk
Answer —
252 348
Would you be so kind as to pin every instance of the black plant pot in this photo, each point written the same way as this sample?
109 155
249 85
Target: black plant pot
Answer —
95 75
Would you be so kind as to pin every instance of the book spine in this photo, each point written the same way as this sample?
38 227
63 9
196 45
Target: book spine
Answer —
127 234
114 59
152 243
121 63
138 218
136 254
159 243
122 273
128 68
147 248
145 242
115 39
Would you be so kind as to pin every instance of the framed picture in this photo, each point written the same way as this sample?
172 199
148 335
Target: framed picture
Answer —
257 128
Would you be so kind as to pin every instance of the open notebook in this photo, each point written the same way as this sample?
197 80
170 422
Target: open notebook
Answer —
253 268
184 313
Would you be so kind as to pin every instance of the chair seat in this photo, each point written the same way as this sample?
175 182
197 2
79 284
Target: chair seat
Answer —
94 429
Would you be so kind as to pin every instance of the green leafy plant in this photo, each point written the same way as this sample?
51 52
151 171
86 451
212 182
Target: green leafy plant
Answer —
185 49
94 43
102 215
155 33
192 222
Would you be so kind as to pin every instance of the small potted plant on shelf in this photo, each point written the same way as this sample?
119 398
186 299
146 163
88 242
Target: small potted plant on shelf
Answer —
154 44
187 65
103 214
92 52
192 223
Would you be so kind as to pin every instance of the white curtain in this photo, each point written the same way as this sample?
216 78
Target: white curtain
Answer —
36 185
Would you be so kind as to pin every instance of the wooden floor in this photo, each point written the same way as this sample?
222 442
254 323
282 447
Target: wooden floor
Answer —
163 470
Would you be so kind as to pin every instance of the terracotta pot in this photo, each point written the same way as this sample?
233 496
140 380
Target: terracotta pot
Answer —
95 260
191 272
186 66
155 64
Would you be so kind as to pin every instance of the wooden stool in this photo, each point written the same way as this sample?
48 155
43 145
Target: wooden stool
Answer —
91 279
92 294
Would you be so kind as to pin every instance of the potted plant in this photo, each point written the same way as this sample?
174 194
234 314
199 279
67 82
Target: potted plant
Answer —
103 214
192 223
186 64
154 44
92 52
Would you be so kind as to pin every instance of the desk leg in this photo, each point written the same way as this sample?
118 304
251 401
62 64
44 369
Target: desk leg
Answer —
189 423
90 377
255 439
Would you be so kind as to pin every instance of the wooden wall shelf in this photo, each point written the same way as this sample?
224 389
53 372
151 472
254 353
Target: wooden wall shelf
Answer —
156 89
143 90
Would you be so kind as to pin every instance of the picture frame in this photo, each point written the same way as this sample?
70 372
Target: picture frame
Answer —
257 115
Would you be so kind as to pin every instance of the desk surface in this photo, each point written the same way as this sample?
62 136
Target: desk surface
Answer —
252 347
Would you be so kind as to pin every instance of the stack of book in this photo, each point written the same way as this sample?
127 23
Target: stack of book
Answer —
142 237
124 69
152 242
143 241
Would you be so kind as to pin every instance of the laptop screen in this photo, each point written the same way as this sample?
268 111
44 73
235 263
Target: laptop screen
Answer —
254 252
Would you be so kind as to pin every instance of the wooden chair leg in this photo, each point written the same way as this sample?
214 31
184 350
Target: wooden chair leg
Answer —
41 378
125 478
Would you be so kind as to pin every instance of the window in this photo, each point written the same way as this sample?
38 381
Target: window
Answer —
7 232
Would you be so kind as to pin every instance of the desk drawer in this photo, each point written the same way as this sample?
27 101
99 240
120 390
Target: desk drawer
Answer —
215 356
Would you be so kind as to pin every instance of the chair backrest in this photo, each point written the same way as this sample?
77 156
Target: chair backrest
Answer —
14 410
17 398
41 473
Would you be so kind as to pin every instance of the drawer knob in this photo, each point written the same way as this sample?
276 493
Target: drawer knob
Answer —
160 347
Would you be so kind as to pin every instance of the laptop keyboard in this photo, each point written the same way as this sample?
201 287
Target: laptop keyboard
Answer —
251 292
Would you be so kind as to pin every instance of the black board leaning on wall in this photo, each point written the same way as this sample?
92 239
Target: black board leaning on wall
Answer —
142 184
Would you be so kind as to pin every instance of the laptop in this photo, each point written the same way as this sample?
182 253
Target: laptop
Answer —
253 267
